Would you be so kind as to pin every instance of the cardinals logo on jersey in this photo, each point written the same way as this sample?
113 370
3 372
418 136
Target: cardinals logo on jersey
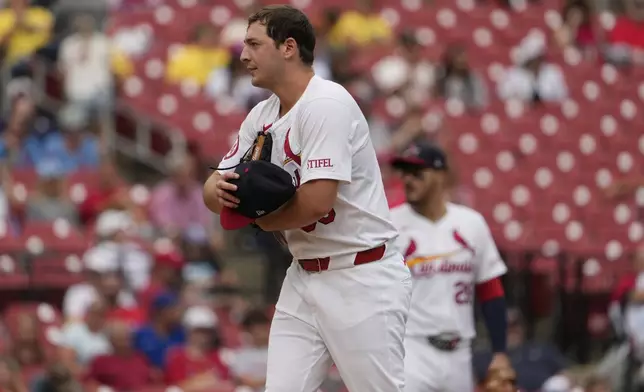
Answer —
233 149
411 249
288 151
292 162
461 241
447 261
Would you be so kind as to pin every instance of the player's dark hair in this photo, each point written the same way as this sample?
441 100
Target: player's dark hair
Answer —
283 22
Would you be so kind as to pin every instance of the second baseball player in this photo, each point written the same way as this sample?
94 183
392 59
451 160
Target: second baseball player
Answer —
453 259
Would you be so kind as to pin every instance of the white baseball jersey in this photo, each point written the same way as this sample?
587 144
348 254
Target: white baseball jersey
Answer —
447 259
325 136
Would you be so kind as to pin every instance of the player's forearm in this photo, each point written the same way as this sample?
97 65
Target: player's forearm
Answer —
210 198
494 309
312 201
298 212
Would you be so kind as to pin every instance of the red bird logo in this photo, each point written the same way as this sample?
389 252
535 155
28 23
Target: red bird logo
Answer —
410 249
461 241
289 152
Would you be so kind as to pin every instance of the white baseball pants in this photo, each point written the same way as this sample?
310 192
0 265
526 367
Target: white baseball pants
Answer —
428 369
353 317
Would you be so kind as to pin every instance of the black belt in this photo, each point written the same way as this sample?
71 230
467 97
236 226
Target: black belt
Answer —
444 343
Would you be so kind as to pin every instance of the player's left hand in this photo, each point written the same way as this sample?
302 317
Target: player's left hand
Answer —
501 377
500 361
224 188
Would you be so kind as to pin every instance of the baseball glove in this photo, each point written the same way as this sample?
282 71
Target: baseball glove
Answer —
262 148
500 380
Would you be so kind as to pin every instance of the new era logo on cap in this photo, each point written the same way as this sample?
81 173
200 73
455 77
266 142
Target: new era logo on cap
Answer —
411 151
262 188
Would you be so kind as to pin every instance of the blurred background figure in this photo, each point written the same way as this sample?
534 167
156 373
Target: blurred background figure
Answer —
84 340
197 366
109 193
360 26
163 330
24 29
165 277
84 62
196 61
456 80
49 202
249 364
406 72
577 29
533 79
104 281
176 204
10 378
123 369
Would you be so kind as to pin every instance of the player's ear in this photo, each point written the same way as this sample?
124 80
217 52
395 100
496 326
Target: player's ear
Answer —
289 48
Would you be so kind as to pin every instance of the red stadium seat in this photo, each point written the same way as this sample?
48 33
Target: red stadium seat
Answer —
12 274
56 272
57 236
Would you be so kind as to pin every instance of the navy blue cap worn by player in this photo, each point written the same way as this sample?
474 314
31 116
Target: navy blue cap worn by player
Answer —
262 188
421 155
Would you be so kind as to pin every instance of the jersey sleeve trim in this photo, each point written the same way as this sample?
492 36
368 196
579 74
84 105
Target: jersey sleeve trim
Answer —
325 176
486 291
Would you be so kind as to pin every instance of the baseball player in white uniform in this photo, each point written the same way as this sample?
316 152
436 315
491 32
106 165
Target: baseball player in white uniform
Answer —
345 298
453 259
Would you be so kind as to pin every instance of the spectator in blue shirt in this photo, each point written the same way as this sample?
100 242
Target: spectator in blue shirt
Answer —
73 145
163 331
49 201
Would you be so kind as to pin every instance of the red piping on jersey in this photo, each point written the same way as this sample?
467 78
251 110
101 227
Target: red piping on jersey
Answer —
289 152
489 290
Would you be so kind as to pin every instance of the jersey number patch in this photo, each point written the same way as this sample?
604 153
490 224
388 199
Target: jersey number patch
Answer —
325 220
463 293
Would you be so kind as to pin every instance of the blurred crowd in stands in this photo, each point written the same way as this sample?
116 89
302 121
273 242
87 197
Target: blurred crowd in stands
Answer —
114 275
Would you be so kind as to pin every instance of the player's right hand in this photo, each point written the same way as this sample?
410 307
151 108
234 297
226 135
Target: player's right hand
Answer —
224 188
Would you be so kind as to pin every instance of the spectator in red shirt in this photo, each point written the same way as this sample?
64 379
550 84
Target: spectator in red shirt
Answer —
165 273
26 346
627 37
108 194
123 370
577 28
197 366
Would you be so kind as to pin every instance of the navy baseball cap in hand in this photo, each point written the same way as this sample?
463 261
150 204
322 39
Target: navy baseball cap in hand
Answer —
422 155
262 188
